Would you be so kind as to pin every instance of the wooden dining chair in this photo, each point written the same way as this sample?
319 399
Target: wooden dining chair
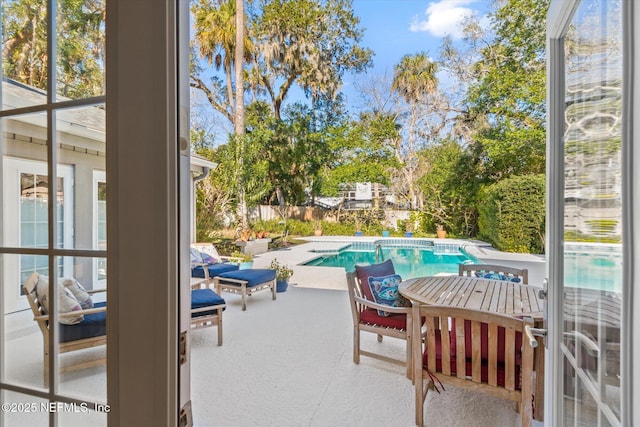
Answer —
487 355
496 272
366 318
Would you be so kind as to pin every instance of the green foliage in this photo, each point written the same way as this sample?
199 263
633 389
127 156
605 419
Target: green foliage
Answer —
450 185
414 76
311 43
507 102
361 151
283 271
338 229
80 45
512 214
293 150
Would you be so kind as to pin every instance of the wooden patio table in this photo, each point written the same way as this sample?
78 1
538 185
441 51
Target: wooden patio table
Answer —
496 296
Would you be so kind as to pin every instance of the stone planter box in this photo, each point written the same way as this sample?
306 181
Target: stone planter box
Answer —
254 247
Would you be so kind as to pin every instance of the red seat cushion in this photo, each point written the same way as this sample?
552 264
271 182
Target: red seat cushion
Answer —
375 270
484 364
484 339
396 321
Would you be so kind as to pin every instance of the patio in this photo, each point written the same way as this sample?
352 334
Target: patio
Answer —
289 362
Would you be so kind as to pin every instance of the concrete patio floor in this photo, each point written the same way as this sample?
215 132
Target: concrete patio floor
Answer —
289 362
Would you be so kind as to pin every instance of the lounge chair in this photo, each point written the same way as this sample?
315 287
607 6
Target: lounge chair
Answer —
206 309
88 328
246 282
206 263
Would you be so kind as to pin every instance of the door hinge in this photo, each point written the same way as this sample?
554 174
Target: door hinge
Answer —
182 347
186 418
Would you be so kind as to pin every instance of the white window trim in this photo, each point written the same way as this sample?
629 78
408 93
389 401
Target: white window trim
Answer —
98 177
12 168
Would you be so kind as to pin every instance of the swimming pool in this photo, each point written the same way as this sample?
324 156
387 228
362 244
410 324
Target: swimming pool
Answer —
410 258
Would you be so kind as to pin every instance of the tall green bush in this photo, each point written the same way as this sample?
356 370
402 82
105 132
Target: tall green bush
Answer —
512 214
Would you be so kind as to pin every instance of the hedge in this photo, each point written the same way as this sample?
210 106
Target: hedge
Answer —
512 214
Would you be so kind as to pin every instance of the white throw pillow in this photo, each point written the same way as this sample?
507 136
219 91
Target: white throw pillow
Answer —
66 301
79 292
208 254
196 256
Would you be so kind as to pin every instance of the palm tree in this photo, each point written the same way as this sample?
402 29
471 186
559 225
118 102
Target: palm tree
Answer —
413 78
215 33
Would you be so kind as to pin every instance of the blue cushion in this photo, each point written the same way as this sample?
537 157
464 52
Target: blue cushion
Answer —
204 298
214 269
253 276
385 291
497 276
93 325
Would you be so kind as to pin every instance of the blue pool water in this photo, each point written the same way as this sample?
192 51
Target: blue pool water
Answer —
593 267
410 259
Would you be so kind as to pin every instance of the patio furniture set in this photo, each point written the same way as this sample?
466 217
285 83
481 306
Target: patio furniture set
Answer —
469 330
83 323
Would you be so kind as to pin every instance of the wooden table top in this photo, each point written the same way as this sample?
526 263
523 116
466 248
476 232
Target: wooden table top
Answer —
497 296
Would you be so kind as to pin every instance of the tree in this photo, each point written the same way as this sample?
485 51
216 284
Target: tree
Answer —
215 35
508 99
414 78
310 43
361 151
450 184
80 45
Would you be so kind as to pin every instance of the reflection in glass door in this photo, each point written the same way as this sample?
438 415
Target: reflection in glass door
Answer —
590 341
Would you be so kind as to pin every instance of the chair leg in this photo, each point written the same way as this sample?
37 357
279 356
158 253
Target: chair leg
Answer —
356 345
419 390
273 290
46 368
244 295
219 327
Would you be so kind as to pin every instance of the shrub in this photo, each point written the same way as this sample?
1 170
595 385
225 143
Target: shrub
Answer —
512 214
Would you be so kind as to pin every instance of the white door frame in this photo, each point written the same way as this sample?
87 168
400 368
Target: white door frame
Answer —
558 19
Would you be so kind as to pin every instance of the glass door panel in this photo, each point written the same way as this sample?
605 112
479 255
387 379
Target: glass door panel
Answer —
590 344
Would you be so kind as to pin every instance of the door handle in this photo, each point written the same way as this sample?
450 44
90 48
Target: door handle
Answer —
590 345
532 333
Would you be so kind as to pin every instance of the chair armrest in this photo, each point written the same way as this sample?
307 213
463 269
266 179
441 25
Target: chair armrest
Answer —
204 268
95 291
73 313
387 308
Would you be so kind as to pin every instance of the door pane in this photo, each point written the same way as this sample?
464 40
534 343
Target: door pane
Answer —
80 52
80 138
24 53
591 342
82 337
23 410
23 340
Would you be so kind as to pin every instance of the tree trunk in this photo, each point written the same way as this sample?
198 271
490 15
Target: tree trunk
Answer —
239 110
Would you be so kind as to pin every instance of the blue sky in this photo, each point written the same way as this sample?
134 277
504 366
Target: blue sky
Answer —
394 28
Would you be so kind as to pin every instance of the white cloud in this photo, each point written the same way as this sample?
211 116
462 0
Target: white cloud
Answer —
444 18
